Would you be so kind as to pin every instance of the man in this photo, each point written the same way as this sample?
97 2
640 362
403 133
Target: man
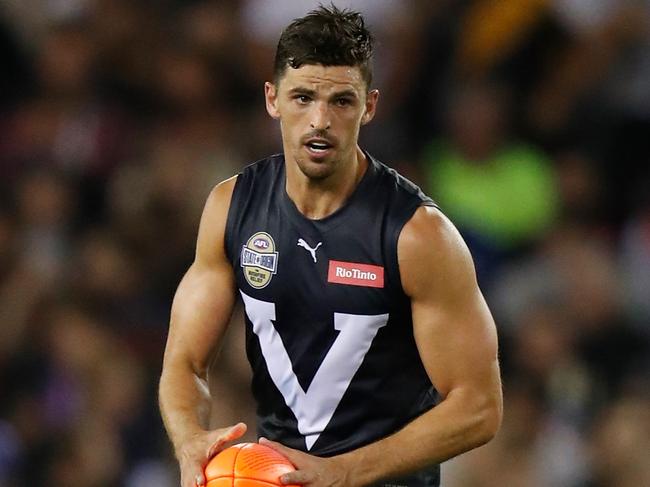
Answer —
374 354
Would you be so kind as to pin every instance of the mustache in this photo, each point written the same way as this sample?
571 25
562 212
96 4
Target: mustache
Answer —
320 134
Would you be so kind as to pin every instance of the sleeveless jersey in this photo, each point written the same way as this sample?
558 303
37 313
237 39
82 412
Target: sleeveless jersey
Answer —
329 330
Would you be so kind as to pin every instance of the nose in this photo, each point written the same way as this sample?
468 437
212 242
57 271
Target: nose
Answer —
320 117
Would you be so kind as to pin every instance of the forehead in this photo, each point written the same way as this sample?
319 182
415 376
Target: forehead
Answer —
324 78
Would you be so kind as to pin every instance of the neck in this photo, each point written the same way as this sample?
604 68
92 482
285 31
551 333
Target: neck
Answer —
318 198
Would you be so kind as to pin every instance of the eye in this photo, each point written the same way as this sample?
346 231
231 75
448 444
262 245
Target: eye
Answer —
343 102
302 99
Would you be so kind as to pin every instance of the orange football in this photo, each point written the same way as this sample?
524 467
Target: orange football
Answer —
247 465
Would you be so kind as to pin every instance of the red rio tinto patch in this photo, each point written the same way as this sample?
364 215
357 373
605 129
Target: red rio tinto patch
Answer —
355 274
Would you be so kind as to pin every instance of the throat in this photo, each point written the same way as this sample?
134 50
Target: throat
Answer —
318 199
319 206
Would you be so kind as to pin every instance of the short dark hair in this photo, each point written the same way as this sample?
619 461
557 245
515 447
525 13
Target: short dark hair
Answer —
328 36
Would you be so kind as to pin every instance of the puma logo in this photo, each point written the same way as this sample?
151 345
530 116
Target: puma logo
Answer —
305 245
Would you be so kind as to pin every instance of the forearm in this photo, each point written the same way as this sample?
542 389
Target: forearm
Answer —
184 402
456 425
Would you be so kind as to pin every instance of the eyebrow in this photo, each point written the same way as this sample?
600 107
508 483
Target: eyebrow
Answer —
301 91
344 93
309 92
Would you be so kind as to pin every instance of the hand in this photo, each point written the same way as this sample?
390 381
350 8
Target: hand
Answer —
194 454
311 470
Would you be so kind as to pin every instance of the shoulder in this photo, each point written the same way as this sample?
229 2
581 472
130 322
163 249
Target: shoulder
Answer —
402 187
260 175
270 164
432 253
430 231
210 240
220 196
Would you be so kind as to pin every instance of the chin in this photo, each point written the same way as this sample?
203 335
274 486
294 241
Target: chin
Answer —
316 170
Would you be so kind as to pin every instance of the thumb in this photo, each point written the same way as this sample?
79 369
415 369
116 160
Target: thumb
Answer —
221 436
234 432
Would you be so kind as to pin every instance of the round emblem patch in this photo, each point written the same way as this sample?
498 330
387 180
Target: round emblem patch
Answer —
259 260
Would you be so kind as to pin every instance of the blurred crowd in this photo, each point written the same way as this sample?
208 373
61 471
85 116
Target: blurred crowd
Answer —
527 120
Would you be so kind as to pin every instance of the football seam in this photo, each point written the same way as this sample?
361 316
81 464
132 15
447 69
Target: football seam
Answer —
244 478
234 466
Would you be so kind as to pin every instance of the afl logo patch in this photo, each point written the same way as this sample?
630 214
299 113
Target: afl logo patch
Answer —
259 260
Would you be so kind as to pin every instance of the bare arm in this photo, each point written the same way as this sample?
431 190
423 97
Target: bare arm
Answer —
456 338
457 341
200 314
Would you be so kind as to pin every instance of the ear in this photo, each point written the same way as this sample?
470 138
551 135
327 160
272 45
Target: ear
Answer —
371 106
271 96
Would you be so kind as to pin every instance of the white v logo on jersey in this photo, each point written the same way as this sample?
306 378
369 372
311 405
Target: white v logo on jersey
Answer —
314 407
305 245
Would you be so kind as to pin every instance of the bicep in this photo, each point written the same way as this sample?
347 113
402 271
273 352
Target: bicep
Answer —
452 325
205 297
200 313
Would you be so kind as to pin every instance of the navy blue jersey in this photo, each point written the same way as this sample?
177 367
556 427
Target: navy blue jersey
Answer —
329 328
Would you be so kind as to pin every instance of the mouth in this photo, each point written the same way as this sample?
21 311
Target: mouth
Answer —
318 147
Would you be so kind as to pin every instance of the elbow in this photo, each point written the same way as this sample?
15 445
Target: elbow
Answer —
488 419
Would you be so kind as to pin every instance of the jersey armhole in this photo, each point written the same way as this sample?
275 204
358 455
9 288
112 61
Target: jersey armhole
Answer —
397 231
230 220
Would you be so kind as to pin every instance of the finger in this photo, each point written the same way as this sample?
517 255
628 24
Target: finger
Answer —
279 447
293 455
297 477
191 472
235 432
224 436
194 479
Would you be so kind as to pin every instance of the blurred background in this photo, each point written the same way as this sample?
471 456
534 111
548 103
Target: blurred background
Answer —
527 120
